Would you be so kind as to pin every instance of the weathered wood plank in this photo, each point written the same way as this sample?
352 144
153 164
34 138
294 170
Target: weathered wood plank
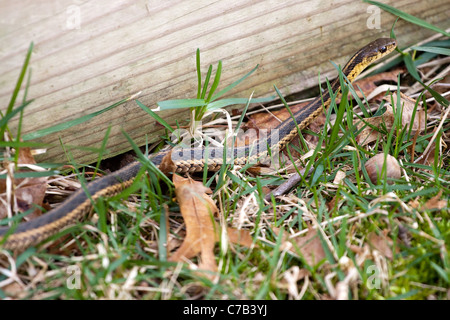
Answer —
123 47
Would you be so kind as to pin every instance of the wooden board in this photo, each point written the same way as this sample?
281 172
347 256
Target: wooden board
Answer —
91 54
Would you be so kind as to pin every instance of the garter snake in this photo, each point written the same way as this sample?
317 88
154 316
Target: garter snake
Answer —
79 204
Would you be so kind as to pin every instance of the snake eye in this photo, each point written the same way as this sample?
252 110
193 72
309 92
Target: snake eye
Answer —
383 49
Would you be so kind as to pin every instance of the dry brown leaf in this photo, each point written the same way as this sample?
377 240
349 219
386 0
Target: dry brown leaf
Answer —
15 290
369 84
375 164
356 249
408 110
241 237
249 136
382 243
202 232
198 212
265 120
309 246
167 166
28 192
368 134
414 204
436 203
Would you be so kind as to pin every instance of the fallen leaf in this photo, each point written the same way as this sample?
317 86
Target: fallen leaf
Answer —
409 105
368 134
414 204
436 203
15 290
245 137
356 249
308 246
369 84
167 166
382 243
241 237
198 212
28 193
202 232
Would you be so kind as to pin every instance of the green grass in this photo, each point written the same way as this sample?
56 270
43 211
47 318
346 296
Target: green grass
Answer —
207 100
121 250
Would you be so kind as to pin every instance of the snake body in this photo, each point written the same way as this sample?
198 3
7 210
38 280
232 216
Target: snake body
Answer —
76 206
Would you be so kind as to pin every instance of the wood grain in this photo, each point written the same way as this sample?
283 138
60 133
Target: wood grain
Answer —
124 47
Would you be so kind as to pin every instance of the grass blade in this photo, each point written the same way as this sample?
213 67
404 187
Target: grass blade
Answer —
4 120
412 70
17 88
199 74
32 174
234 84
436 50
205 85
22 144
180 103
154 115
215 82
71 123
407 17
232 101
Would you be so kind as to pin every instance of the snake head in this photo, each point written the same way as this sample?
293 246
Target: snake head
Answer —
378 49
367 55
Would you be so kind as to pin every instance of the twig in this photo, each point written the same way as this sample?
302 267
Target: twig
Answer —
289 184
